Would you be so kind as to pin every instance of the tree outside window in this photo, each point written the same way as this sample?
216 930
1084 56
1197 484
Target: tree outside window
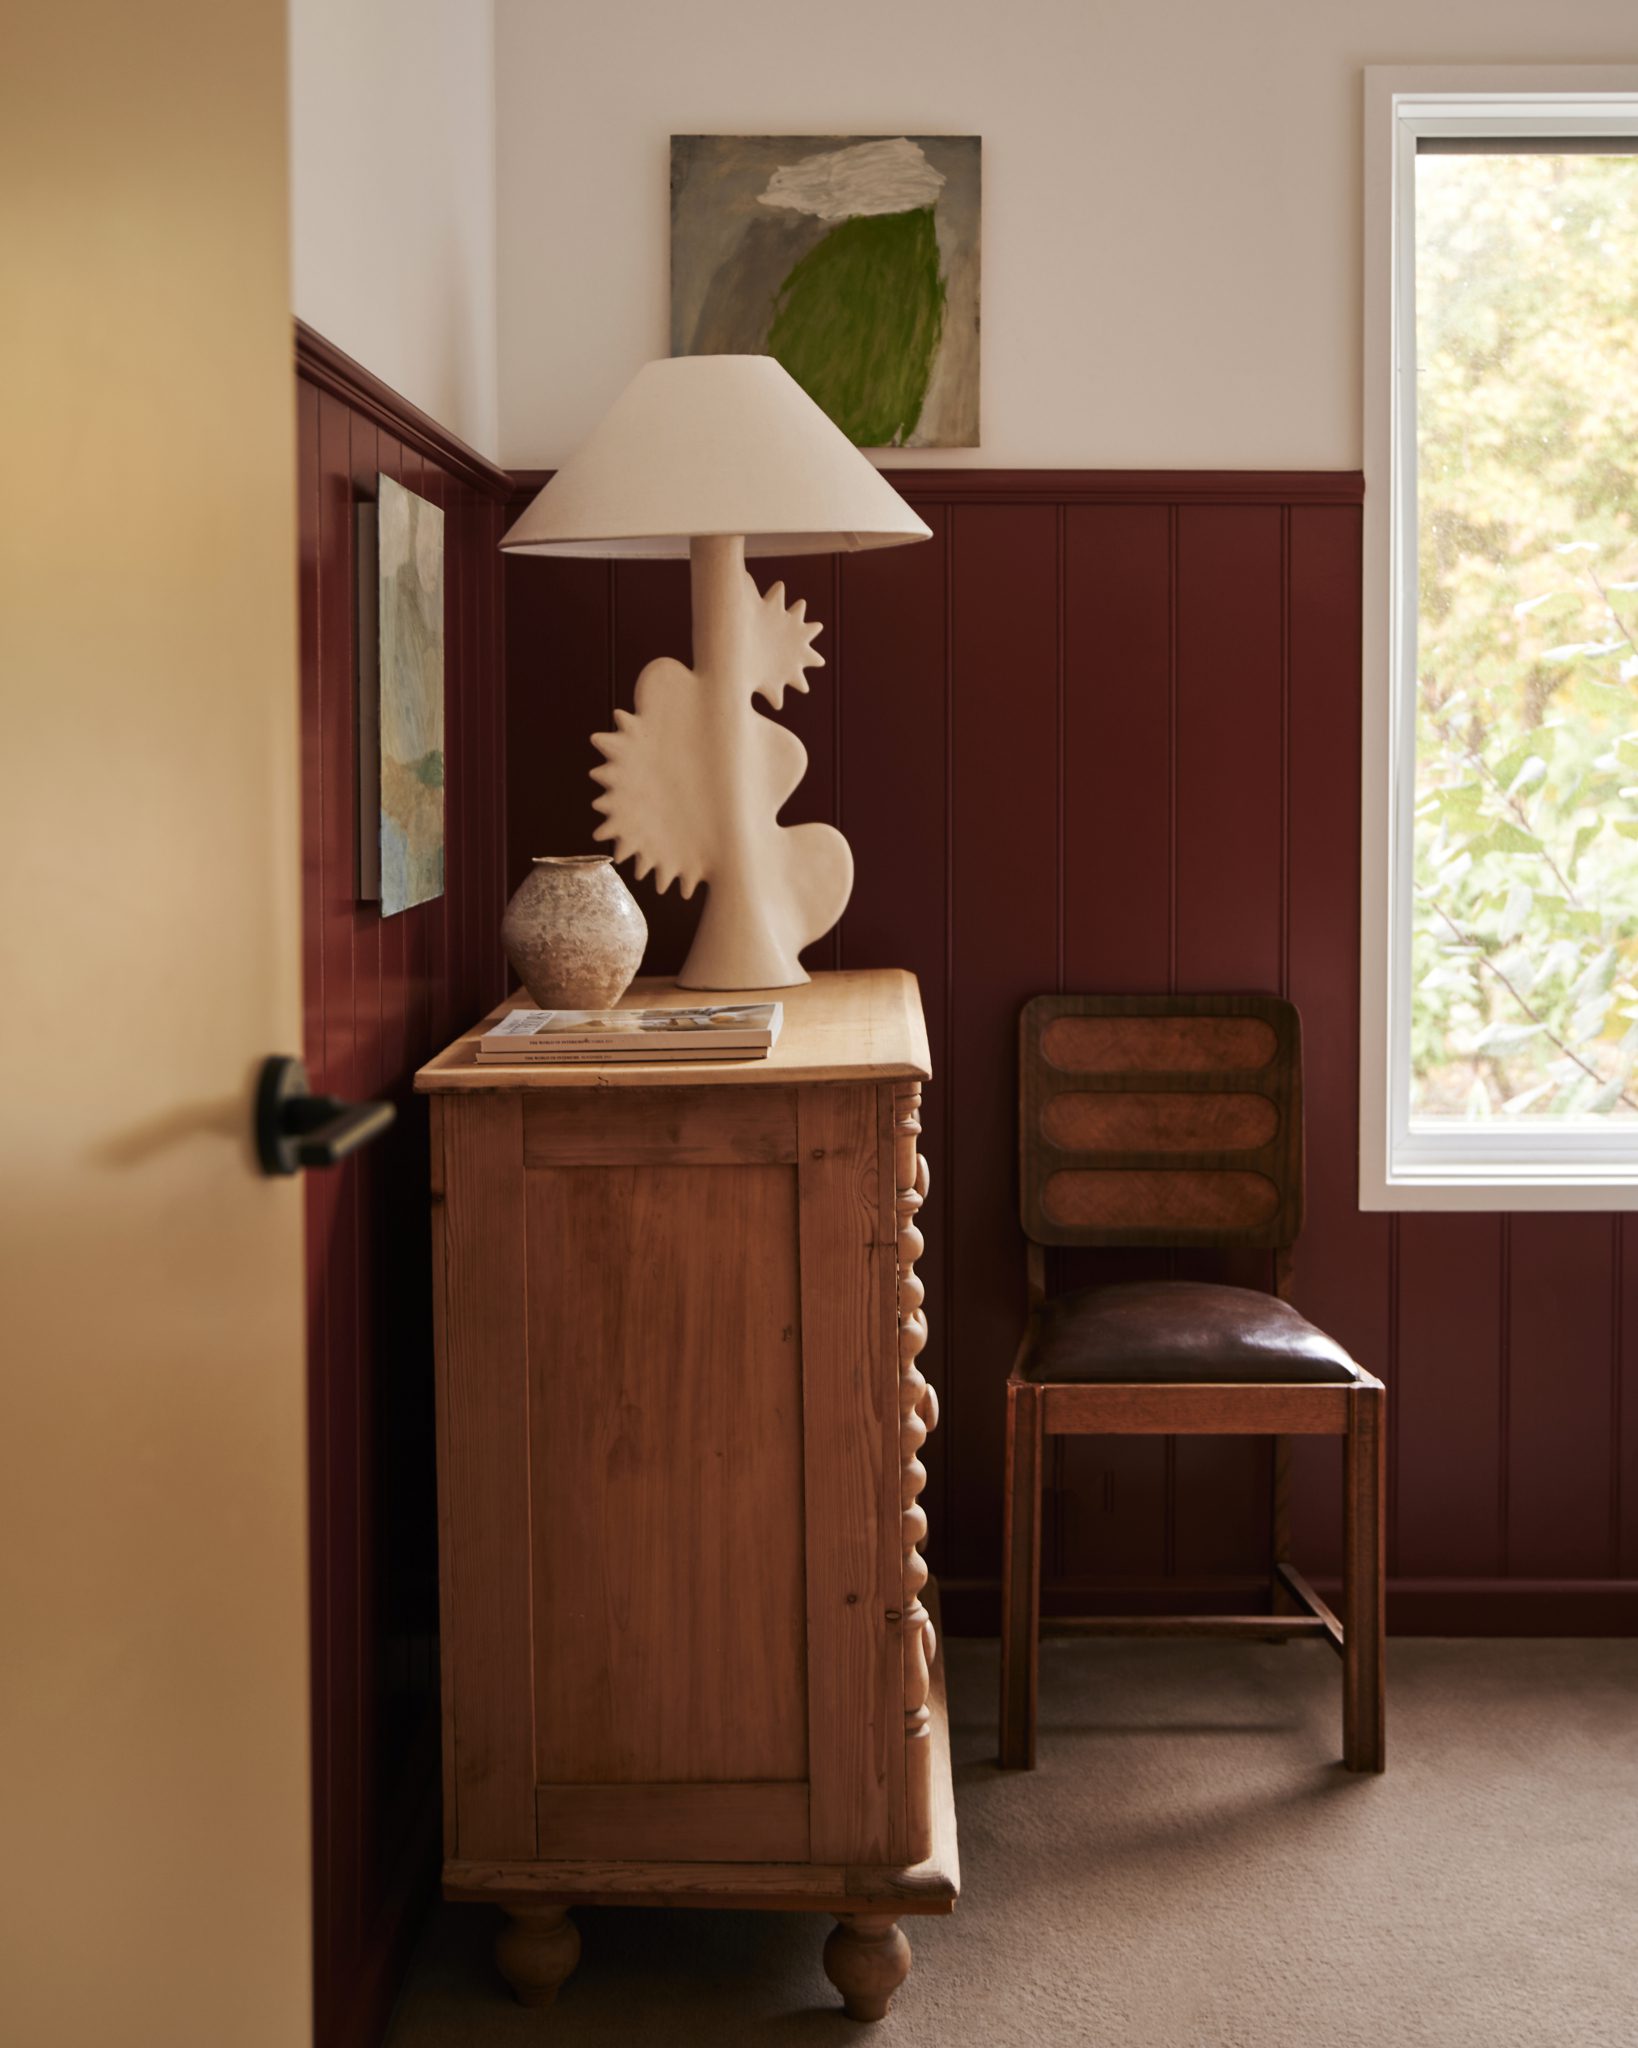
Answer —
1525 934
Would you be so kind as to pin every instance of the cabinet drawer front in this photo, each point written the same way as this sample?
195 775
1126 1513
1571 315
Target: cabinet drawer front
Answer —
665 1451
661 1127
766 1823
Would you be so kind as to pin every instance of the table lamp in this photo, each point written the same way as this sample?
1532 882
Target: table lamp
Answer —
721 457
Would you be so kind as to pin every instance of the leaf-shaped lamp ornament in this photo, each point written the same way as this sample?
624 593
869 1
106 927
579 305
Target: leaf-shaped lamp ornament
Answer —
720 458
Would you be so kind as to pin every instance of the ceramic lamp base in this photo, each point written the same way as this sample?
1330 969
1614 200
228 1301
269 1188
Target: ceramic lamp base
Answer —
694 779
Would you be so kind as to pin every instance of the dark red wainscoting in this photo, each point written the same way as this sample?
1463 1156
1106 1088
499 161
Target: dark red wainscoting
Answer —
381 994
1103 733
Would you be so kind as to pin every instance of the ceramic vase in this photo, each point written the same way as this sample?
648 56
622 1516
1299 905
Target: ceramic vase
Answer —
573 933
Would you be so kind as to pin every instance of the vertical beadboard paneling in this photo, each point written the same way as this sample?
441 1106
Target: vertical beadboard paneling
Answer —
1117 747
320 1201
1229 795
1004 896
372 452
1624 1402
1229 894
1116 773
1447 1388
434 918
1561 1344
380 995
1105 731
559 662
1343 1275
338 1278
893 812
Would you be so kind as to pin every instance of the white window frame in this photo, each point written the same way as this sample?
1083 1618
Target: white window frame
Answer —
1580 1167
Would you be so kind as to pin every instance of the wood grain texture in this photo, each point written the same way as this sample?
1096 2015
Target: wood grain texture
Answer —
1293 1607
863 1025
1198 1411
483 1417
867 1958
536 1952
374 992
1103 733
1304 1594
1252 1628
718 1530
855 1619
1364 1537
1139 1044
1175 1064
662 1127
1141 1122
1159 1203
931 1886
1021 1581
765 1823
917 1417
665 1382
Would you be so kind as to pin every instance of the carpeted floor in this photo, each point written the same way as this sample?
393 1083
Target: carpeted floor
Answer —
1191 1868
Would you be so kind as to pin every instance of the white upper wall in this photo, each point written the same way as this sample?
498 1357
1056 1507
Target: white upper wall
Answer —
1171 238
392 134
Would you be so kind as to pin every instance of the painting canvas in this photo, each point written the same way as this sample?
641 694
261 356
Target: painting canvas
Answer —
852 259
410 703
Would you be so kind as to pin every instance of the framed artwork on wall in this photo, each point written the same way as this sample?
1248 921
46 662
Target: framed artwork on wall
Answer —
854 260
400 699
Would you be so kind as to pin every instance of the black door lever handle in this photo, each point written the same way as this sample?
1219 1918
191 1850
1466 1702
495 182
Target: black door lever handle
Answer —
295 1128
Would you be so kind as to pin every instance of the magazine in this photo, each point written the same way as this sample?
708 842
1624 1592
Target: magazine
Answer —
706 1029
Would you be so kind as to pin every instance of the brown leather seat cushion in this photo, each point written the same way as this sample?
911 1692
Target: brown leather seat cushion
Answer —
1185 1331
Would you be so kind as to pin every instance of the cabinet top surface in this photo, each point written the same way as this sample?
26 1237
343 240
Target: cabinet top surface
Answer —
859 1026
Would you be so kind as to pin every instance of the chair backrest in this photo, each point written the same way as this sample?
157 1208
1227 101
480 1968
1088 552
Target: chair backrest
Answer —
1160 1120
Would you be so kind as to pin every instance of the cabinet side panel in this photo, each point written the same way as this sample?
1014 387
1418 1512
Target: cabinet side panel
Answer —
850 1426
917 1412
666 1444
446 1533
483 1421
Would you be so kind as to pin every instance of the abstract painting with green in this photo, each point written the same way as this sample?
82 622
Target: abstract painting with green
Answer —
854 262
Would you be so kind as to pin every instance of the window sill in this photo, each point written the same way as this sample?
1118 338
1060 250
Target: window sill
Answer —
1494 1187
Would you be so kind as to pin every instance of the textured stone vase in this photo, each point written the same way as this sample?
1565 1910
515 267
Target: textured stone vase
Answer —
573 933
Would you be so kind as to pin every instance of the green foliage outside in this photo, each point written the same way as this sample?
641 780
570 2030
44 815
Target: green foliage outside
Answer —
858 321
1525 938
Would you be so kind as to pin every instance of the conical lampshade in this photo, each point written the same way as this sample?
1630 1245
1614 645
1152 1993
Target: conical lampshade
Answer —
715 445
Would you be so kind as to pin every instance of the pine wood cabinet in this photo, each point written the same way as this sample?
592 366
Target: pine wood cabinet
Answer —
689 1655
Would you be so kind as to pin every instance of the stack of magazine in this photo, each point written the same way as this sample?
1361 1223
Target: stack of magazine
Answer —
563 1038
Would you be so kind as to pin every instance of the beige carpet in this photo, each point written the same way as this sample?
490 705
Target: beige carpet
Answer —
1190 1868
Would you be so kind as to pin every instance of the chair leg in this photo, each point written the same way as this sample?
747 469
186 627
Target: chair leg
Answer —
1364 1614
1021 1579
1281 1598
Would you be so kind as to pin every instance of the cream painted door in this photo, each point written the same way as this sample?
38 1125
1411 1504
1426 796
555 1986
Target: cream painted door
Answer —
154 1880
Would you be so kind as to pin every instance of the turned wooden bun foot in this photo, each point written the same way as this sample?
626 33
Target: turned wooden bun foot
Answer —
867 1958
536 1953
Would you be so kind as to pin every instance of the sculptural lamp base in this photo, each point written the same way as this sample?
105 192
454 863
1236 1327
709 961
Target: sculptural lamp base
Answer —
694 779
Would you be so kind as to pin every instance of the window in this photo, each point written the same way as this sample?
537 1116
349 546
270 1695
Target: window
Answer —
1500 982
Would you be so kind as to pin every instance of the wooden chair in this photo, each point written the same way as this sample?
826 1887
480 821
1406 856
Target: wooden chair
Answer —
1177 1121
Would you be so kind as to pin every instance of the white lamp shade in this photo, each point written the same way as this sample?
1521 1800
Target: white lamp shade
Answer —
715 445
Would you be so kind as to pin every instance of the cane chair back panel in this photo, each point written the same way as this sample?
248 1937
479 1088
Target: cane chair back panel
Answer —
1161 1120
